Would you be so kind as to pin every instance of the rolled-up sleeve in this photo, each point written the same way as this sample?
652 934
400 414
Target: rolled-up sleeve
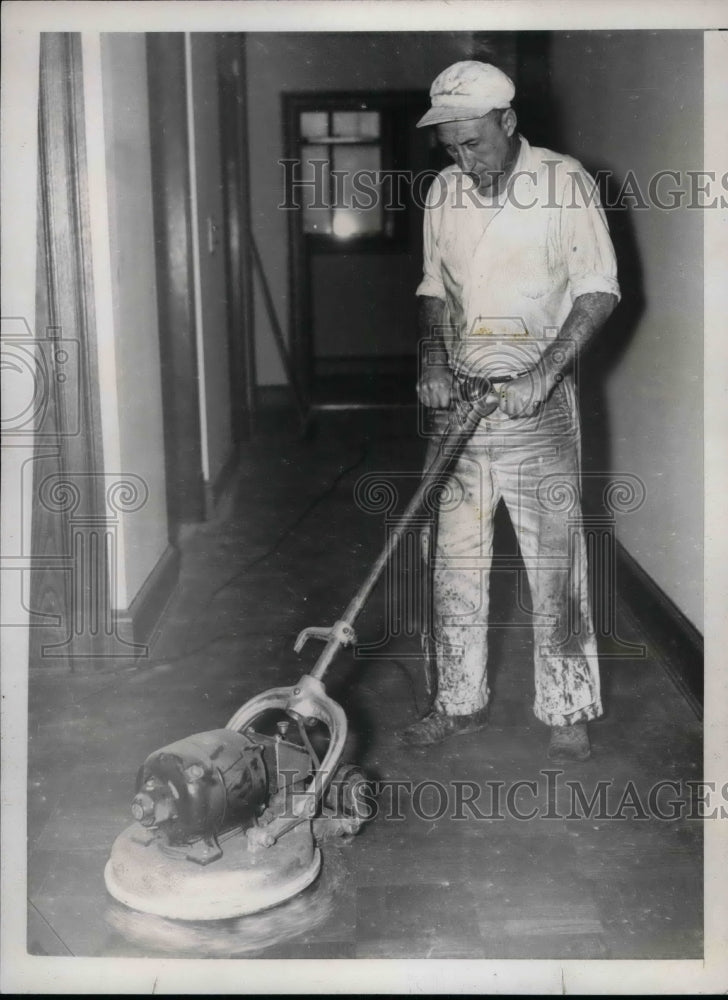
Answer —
586 243
432 283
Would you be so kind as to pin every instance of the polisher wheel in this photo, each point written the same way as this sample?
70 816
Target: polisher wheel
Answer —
140 875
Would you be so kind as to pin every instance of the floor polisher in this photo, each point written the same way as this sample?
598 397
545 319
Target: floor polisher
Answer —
228 822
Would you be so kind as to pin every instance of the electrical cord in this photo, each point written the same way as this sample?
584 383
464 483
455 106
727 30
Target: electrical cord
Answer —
271 550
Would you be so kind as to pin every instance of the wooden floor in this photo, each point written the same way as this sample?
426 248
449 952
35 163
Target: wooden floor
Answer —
287 552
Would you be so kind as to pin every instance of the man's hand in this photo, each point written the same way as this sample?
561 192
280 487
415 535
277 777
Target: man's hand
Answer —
435 386
525 395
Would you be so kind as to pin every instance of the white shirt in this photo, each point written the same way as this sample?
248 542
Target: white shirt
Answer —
509 268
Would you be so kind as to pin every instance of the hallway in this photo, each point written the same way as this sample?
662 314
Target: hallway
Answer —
287 550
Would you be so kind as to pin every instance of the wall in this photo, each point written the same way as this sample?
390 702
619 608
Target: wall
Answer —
639 106
279 63
212 319
124 275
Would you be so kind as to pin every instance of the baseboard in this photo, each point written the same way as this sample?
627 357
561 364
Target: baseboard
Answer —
138 622
673 638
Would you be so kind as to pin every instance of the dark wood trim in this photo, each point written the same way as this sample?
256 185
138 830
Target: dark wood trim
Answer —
300 342
175 285
138 622
671 638
236 200
245 222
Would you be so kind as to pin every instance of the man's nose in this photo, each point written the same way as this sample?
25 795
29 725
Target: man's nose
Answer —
466 159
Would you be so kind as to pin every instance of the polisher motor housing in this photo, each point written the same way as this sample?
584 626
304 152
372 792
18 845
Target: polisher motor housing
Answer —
200 785
194 792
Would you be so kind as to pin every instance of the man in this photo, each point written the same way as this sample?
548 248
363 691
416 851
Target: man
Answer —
519 274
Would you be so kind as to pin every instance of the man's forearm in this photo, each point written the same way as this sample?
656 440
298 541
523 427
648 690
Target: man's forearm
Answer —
434 384
430 321
588 314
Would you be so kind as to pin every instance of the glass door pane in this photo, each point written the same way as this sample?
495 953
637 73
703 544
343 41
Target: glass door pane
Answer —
316 201
358 208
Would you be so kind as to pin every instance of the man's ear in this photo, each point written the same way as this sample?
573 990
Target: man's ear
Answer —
509 120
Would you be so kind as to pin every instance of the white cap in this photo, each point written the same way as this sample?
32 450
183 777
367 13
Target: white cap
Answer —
465 90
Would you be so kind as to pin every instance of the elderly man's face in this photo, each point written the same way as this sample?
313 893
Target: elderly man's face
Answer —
481 147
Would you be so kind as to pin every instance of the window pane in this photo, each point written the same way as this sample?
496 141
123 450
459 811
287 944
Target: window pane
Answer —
369 124
358 206
314 124
315 201
356 124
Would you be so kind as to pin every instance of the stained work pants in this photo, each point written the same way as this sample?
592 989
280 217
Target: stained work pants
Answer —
533 464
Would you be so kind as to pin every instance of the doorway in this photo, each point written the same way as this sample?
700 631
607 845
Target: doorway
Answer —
357 170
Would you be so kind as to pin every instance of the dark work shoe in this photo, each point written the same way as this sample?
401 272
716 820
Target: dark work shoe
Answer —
437 726
569 743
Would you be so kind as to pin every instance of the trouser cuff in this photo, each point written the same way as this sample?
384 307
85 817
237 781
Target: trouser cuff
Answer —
585 714
459 708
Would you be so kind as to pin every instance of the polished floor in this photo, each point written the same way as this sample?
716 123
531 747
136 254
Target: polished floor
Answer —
429 876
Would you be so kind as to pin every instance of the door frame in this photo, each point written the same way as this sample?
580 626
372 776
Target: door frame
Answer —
172 209
235 164
72 554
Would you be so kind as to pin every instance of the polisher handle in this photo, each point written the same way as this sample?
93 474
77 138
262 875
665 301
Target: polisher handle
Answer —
463 421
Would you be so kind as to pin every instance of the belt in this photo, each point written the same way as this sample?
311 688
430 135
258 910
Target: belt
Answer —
472 389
